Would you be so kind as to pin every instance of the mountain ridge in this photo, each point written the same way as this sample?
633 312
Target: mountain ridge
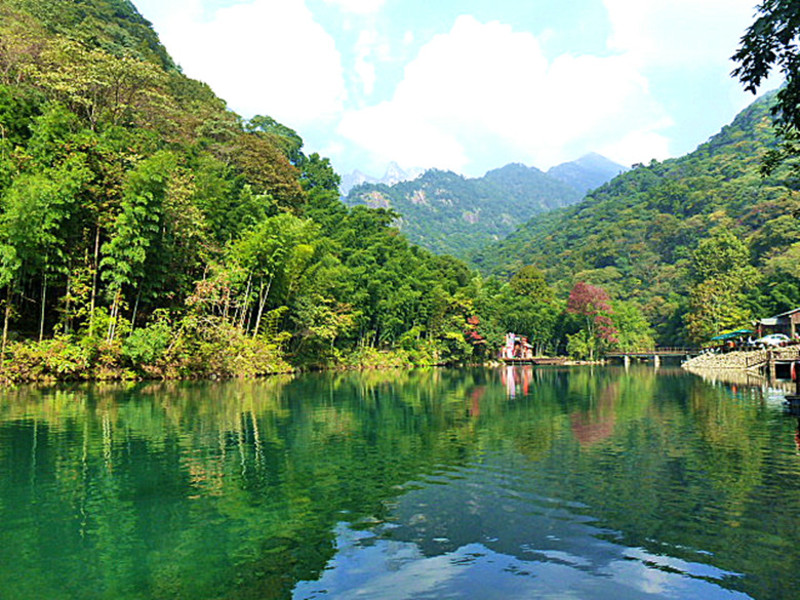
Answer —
452 214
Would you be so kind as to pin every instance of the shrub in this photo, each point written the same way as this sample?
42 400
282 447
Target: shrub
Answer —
147 345
57 358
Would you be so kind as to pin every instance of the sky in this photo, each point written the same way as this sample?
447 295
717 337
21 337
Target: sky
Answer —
469 85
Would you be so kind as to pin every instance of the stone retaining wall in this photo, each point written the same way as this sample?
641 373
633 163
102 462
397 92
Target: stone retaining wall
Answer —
741 359
728 360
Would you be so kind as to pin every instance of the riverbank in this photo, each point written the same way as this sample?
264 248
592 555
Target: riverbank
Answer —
171 356
168 355
751 360
737 360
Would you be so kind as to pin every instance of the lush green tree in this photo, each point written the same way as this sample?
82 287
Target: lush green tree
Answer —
530 281
526 306
722 277
35 209
716 305
102 88
268 170
780 289
633 330
272 259
718 255
285 138
771 42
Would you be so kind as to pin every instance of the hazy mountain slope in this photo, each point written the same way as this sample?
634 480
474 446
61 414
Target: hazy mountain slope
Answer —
588 172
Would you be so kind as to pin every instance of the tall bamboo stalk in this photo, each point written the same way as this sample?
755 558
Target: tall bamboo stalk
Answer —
5 320
44 299
94 276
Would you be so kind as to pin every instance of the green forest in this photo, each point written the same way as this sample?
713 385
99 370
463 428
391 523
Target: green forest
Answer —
148 231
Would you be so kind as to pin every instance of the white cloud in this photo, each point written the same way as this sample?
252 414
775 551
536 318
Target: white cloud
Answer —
361 7
365 67
389 133
638 147
678 32
158 11
263 57
484 86
475 97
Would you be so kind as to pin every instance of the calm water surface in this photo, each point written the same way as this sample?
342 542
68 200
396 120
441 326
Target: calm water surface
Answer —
478 484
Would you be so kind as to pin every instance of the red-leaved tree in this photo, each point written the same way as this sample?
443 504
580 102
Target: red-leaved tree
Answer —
593 304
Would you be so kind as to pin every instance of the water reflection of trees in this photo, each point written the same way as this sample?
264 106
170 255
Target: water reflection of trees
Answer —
233 490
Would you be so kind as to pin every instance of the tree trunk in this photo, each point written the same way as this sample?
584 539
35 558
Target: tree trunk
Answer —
227 305
67 314
246 304
94 276
262 301
44 299
111 321
136 308
5 321
112 326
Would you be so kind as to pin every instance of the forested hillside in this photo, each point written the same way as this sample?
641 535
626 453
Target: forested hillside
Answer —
700 243
451 214
145 227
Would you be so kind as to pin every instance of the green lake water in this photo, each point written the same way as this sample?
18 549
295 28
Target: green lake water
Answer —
478 483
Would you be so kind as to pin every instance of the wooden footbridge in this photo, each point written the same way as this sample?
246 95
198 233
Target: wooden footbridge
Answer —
654 354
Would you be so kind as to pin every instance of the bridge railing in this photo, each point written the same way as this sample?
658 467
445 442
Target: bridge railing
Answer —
661 351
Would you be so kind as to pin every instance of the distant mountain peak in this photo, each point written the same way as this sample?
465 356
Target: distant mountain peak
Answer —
394 170
514 167
588 172
394 174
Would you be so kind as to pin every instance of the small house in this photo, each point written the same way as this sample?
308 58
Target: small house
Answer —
787 323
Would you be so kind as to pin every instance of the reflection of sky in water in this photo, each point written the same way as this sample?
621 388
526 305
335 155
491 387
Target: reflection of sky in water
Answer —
390 570
480 534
